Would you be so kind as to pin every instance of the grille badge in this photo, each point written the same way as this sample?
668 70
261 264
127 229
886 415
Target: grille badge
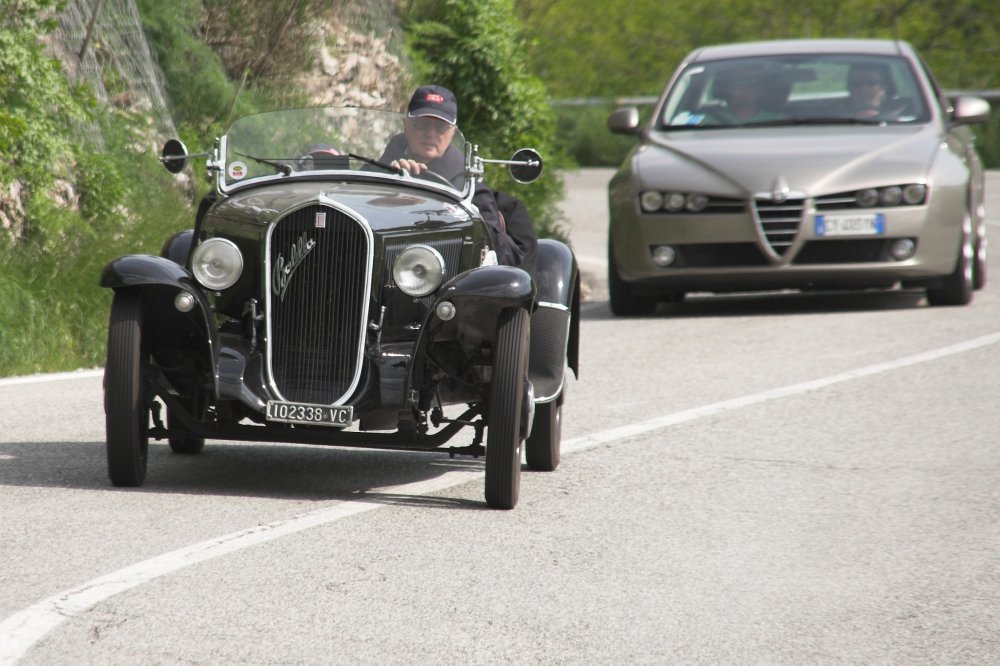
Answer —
284 269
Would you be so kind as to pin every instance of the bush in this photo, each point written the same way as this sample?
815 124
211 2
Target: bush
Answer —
474 49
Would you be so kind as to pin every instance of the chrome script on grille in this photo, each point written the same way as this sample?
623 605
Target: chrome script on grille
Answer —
284 269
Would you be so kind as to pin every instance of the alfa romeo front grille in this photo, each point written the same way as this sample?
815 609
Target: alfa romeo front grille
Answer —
779 222
319 267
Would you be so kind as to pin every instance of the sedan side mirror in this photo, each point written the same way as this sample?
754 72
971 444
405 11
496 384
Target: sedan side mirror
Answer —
970 110
624 121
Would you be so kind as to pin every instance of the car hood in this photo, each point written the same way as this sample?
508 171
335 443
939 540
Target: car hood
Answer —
384 207
811 160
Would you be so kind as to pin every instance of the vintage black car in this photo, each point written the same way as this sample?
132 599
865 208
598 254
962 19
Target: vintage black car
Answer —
328 298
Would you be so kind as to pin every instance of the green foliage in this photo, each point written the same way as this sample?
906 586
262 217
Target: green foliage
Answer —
474 48
36 102
594 48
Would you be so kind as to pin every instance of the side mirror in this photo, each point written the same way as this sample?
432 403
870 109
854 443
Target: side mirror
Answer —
970 110
526 165
174 156
624 121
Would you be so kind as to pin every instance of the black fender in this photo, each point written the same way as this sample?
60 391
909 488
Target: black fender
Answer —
160 280
555 323
478 296
177 248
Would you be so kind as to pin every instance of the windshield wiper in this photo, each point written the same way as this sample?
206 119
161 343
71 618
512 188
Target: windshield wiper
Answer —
284 169
382 165
823 120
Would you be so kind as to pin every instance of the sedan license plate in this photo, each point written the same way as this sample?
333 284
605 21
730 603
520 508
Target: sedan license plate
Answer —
297 412
869 224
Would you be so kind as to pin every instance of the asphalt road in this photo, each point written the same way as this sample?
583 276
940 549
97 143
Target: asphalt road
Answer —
777 479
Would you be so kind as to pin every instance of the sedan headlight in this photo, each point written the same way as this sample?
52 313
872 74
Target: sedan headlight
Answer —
217 263
418 270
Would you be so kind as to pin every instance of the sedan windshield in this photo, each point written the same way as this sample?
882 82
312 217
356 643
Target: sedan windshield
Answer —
795 90
341 142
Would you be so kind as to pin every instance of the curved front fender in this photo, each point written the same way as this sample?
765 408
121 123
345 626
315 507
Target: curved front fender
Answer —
136 270
556 272
160 280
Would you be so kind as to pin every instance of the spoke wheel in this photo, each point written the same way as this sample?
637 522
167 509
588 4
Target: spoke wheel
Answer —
125 408
503 435
541 450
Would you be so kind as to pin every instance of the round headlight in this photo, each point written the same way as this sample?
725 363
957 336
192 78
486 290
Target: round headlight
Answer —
696 202
217 263
890 196
418 270
866 198
675 201
651 201
914 194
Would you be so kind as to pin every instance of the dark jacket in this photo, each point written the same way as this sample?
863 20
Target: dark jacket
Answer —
510 251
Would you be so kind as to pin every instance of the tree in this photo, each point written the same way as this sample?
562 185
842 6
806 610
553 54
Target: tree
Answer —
474 49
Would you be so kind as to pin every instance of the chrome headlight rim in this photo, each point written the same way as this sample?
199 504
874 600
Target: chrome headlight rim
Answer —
220 270
419 270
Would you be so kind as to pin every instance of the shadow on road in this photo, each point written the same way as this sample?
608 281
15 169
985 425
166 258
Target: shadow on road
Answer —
278 471
771 303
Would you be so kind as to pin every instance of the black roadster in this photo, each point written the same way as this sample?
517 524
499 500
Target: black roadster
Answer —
324 297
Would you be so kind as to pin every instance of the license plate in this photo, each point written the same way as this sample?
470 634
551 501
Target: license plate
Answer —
871 224
297 412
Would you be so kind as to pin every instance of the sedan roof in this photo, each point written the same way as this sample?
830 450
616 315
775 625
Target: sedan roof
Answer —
801 46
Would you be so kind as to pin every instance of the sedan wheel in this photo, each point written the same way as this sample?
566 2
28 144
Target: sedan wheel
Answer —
956 289
503 436
979 268
624 302
125 408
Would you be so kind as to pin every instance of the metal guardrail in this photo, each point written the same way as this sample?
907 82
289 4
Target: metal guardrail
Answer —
991 96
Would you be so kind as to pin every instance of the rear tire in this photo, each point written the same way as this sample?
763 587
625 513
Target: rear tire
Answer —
541 450
186 443
125 407
503 435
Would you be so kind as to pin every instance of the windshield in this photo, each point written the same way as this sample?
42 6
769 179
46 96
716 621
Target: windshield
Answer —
795 90
339 142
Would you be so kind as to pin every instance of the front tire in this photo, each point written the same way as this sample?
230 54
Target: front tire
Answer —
503 436
624 301
125 408
956 288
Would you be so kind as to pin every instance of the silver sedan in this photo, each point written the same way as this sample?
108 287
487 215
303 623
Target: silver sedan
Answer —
803 164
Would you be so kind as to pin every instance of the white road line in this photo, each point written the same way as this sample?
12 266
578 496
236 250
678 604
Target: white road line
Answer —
54 377
21 631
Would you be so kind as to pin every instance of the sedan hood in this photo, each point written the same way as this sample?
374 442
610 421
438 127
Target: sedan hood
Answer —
811 160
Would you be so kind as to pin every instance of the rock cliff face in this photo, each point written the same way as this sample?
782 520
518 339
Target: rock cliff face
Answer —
357 70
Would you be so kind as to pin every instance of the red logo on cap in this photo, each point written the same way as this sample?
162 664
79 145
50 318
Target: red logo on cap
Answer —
434 97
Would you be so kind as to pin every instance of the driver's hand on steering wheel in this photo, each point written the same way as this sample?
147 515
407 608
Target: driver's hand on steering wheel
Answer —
413 166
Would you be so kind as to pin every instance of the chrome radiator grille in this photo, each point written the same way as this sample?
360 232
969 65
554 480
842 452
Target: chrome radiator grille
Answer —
319 267
779 221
